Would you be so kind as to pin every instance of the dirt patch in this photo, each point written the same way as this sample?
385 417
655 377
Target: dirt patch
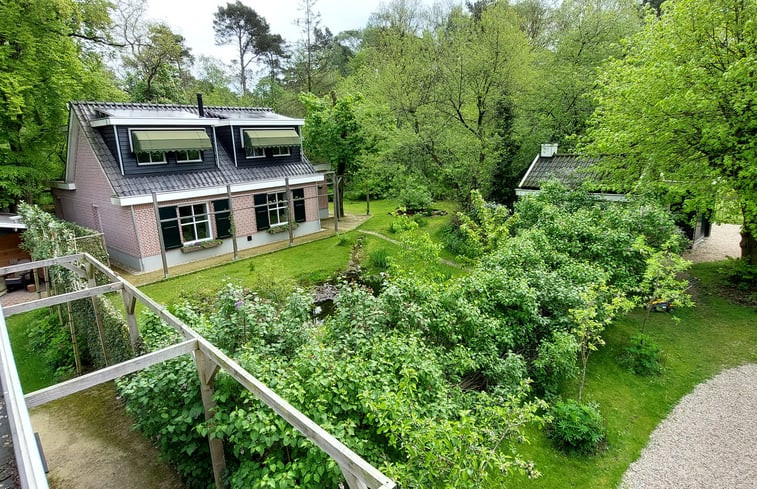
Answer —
722 243
88 444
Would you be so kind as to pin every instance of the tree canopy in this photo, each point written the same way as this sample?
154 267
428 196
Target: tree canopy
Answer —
679 110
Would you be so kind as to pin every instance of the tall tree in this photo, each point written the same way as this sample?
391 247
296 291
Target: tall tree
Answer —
308 23
239 24
159 67
43 65
679 110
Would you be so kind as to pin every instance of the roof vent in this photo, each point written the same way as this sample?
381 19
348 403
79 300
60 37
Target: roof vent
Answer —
548 150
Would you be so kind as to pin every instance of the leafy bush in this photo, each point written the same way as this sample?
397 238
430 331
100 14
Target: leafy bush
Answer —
49 339
642 356
576 427
379 259
415 198
556 361
402 223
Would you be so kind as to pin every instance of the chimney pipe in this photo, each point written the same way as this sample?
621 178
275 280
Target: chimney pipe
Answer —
200 107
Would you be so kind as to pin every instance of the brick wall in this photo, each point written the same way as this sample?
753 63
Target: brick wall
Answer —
89 205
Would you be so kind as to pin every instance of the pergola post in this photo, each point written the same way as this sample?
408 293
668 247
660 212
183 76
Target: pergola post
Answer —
207 369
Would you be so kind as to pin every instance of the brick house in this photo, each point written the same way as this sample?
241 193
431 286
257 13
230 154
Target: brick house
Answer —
180 182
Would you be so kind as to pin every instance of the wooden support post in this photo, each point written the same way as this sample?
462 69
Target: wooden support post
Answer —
100 329
72 328
290 211
336 204
231 220
353 482
36 283
160 235
367 202
206 370
130 304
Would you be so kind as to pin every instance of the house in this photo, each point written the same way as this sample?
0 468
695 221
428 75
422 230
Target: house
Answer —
572 170
169 184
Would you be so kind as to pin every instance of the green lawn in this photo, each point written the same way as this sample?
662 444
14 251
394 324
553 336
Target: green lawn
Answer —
32 370
713 336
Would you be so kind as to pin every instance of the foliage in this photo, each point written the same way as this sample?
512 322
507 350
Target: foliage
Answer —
402 223
555 362
677 111
577 427
483 227
44 63
379 259
643 356
49 237
50 340
415 198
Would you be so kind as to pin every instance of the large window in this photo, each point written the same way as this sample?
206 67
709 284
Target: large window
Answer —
272 209
189 156
151 158
195 222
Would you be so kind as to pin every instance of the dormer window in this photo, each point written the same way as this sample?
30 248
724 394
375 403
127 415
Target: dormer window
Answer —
280 151
150 146
150 157
189 156
254 152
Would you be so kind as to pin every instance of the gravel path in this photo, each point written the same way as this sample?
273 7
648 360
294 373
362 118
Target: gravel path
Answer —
723 241
708 441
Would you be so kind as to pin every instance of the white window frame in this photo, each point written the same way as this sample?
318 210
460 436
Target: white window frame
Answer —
250 152
186 152
280 207
164 161
279 151
204 218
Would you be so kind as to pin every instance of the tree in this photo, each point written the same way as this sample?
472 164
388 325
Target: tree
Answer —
43 65
239 24
308 24
679 110
159 67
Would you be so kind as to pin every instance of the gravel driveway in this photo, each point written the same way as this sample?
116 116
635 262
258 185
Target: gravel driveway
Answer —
708 441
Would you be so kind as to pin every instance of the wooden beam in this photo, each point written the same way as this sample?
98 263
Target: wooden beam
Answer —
348 460
60 299
206 369
23 267
57 391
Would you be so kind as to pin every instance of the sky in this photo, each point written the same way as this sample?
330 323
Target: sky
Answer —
193 19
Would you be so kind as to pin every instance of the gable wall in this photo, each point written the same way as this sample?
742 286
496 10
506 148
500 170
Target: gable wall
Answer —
89 205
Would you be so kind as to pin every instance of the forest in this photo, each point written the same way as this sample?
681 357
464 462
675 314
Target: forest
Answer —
447 99
437 376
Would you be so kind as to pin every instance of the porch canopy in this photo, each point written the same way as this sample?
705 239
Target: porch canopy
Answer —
178 140
266 138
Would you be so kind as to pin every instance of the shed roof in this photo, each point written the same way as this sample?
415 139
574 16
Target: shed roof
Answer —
570 170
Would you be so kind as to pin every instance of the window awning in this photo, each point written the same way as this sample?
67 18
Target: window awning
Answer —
196 139
266 138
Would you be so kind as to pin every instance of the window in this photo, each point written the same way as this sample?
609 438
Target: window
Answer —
280 151
298 202
188 156
151 157
254 152
195 223
271 210
223 218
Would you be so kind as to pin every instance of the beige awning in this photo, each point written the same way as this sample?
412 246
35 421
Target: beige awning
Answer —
195 139
266 138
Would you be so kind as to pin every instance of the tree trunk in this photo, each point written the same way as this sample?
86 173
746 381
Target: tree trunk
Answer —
748 247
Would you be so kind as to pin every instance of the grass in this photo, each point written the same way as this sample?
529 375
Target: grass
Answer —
713 336
33 372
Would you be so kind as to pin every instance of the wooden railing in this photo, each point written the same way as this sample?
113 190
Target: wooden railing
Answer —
358 473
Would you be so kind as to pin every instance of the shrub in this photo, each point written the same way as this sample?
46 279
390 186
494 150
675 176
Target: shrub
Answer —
642 356
415 198
402 223
49 339
379 259
577 427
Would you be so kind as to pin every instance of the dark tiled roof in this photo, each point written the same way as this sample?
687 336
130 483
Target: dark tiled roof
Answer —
225 174
570 170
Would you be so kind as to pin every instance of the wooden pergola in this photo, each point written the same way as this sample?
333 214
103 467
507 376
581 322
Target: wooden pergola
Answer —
208 359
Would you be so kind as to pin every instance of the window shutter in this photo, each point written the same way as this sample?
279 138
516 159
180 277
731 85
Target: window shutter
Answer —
261 211
223 218
298 198
169 226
